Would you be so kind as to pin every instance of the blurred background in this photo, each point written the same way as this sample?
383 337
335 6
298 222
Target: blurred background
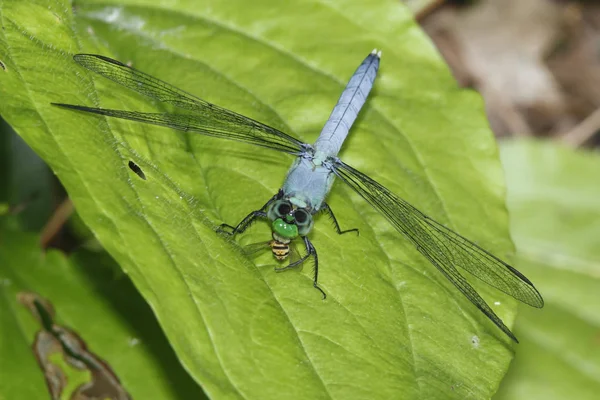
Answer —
536 62
537 65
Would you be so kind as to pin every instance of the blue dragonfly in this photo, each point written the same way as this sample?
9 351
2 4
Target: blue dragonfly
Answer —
292 210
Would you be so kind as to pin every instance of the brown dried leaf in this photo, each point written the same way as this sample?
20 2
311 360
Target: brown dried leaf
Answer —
499 48
54 339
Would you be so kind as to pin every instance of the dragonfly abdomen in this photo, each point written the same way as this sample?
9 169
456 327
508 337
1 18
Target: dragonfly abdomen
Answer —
349 104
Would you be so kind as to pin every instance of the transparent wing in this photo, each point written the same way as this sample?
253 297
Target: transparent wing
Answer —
443 247
254 248
295 255
201 117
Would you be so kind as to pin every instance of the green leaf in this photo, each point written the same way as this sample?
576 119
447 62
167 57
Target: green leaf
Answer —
391 325
555 222
105 311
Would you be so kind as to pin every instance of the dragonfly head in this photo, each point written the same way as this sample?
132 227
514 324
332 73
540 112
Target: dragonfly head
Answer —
289 221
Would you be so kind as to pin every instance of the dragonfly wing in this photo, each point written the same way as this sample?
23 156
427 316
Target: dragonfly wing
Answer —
202 117
198 124
253 248
444 248
295 255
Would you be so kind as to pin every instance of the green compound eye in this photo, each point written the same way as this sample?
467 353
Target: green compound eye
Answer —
288 231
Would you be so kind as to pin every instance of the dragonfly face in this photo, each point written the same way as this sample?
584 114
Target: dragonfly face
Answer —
288 220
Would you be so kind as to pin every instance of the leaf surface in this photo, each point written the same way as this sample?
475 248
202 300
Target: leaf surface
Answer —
391 324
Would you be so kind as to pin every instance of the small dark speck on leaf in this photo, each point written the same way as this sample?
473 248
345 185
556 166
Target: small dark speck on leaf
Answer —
138 171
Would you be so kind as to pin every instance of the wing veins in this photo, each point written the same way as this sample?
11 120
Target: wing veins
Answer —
444 248
210 120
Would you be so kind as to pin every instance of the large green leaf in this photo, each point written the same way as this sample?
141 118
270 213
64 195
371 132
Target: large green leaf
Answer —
555 222
391 324
105 311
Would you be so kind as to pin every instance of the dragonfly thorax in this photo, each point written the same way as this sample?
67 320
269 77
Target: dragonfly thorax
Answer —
308 181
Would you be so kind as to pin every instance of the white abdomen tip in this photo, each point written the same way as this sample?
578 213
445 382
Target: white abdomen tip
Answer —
376 53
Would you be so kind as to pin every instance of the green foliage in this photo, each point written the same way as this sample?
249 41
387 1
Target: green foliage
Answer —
107 312
553 197
391 326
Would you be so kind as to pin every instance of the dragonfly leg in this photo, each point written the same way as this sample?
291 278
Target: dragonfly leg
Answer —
248 220
242 226
329 211
310 251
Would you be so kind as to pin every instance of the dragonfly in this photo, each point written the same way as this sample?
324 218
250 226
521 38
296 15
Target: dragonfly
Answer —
292 210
